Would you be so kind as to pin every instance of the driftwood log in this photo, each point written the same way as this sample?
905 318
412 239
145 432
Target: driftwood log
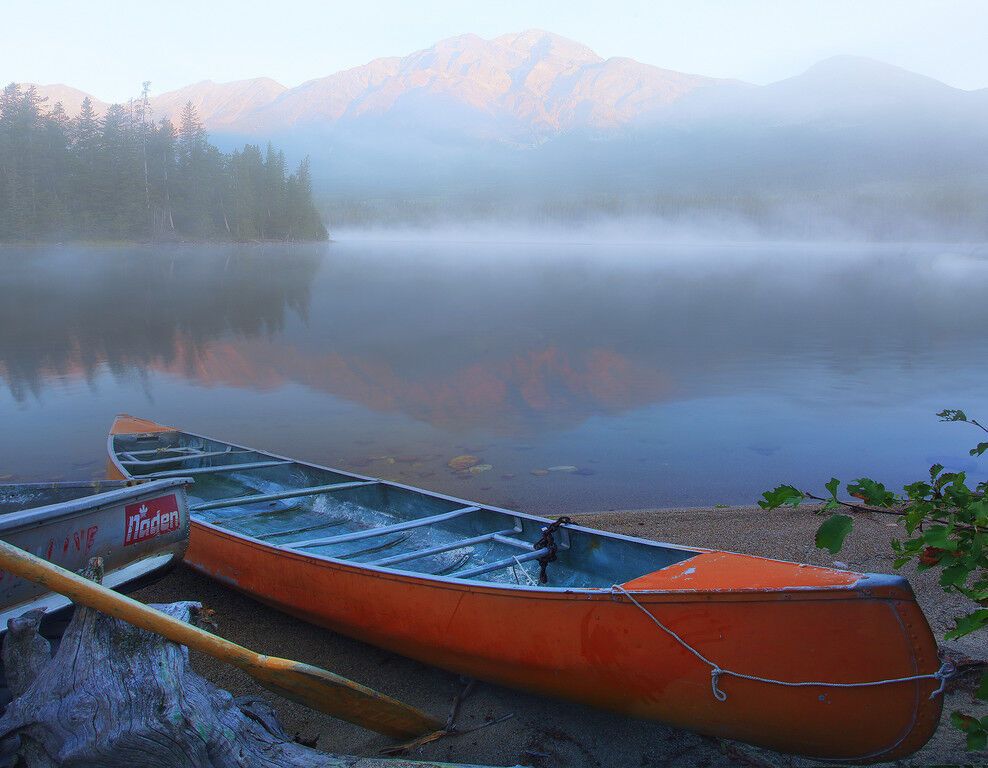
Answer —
117 696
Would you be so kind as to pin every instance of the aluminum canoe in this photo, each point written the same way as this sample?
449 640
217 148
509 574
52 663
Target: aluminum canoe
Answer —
139 529
815 661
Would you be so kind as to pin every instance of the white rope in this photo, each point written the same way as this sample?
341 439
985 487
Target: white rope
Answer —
531 582
943 674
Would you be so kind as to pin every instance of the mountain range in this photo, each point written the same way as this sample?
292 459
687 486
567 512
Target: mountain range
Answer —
526 85
534 121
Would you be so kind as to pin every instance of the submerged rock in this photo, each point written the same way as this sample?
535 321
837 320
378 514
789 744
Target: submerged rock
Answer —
478 468
563 468
459 463
540 472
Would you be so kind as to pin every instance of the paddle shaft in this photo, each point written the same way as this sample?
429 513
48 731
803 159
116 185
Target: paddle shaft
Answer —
309 685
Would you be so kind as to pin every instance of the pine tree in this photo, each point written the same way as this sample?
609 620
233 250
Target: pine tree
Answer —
275 195
85 135
305 222
161 175
55 162
22 126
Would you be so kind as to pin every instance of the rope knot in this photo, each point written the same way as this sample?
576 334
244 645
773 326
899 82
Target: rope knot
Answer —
715 673
947 670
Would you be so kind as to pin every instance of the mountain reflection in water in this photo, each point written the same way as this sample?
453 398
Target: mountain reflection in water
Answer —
620 375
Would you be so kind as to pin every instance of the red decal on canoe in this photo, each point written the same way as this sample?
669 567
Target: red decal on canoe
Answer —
147 519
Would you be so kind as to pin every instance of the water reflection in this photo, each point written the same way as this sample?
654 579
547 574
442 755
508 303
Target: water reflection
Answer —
534 351
71 312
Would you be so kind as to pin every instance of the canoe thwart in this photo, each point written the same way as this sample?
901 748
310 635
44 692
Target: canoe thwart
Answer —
220 468
356 535
186 456
237 501
416 554
498 565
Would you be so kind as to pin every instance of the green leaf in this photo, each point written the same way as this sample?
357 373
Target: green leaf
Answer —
871 492
982 447
935 470
965 625
939 536
979 511
831 534
961 721
918 491
952 414
955 575
974 728
784 495
833 486
977 739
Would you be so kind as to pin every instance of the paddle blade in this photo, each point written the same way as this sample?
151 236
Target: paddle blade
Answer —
321 690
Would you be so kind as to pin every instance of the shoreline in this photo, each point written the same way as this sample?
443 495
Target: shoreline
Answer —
546 733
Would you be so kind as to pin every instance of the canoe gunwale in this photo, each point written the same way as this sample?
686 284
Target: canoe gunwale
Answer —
888 587
130 489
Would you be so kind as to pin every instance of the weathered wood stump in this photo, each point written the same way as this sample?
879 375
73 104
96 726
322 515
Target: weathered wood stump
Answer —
117 696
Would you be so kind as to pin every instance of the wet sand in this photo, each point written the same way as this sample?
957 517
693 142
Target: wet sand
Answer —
545 733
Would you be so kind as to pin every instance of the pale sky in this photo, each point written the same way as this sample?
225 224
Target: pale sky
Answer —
107 48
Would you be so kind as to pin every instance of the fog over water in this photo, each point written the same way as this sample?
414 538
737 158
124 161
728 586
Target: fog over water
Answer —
634 374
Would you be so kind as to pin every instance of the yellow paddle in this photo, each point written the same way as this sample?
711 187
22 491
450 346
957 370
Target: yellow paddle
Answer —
312 686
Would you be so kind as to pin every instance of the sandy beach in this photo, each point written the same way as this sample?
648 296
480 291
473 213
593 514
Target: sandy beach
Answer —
545 733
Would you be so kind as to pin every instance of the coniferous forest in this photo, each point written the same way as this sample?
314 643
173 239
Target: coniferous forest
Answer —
123 176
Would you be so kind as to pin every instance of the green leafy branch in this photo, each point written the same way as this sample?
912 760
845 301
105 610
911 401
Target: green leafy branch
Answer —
946 525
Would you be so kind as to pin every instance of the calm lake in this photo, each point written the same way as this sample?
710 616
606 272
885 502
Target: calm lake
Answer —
620 375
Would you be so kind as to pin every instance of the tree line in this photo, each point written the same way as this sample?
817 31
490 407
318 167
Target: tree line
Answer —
124 176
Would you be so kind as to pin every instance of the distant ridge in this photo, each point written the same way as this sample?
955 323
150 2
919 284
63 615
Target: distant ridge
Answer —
518 86
218 104
522 88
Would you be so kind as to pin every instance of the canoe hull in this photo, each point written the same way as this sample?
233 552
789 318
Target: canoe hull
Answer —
776 620
601 650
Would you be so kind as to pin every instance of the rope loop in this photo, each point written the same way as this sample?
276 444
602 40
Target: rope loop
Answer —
715 673
947 669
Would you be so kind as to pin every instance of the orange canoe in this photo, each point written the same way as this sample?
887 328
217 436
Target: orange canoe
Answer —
813 661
